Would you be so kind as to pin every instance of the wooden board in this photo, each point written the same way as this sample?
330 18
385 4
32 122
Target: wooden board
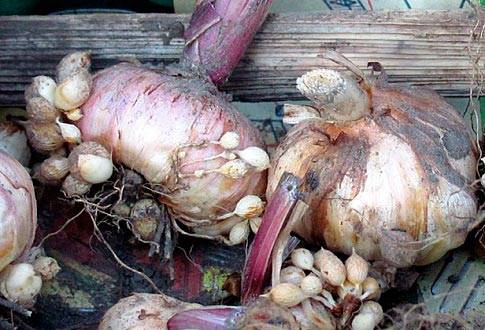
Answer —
419 47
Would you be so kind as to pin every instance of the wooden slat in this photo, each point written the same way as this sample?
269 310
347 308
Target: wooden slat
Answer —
418 47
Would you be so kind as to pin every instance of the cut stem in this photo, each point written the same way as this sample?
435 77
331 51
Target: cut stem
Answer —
282 241
277 212
337 96
219 33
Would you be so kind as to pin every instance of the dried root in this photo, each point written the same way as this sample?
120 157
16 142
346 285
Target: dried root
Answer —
416 316
125 200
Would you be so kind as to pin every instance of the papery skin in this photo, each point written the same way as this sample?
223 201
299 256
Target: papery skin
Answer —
143 311
13 141
138 115
18 211
217 317
401 173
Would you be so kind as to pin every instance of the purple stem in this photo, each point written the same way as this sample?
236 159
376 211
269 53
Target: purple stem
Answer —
219 33
277 213
213 317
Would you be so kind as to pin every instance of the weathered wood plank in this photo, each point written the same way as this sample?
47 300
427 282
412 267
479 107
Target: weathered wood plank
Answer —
418 47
